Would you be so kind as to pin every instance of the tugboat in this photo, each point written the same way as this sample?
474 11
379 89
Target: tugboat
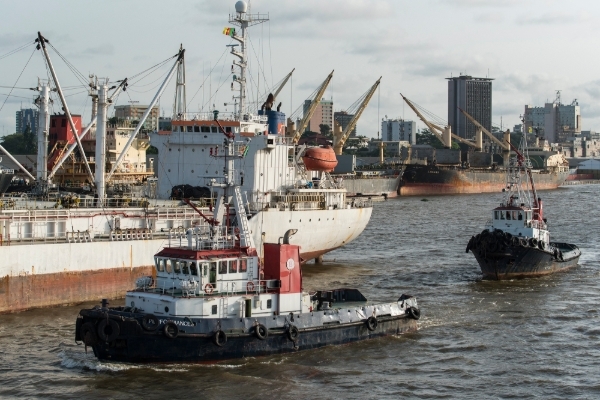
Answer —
213 298
516 243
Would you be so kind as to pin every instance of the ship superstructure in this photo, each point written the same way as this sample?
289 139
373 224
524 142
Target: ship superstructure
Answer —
67 249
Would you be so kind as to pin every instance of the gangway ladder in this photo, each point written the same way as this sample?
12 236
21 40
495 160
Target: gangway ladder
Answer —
246 239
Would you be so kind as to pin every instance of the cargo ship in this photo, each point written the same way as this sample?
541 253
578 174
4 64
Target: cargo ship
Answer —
74 248
516 243
441 171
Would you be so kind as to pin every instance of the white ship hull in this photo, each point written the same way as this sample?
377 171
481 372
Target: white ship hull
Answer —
36 273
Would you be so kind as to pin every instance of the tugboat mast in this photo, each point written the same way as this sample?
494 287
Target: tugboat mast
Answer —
243 20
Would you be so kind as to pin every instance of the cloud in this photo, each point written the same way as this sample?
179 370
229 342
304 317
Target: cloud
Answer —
11 41
100 50
550 19
480 3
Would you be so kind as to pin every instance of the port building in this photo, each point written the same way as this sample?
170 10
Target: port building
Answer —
474 95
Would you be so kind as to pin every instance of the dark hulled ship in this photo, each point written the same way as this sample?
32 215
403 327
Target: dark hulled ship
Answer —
516 244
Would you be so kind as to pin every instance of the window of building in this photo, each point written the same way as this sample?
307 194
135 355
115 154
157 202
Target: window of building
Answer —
54 123
63 123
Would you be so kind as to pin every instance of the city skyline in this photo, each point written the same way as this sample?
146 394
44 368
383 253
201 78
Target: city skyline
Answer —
361 40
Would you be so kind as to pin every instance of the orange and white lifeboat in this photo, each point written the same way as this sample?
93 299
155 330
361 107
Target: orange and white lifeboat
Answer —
320 159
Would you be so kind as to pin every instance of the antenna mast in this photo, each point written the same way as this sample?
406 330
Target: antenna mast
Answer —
243 19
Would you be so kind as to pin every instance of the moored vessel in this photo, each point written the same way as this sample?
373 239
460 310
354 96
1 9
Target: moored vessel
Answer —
516 243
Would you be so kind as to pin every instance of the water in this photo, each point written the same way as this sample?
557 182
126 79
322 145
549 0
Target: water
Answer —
528 338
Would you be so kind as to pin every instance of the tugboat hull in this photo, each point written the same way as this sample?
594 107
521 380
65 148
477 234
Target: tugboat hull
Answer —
523 261
128 335
140 347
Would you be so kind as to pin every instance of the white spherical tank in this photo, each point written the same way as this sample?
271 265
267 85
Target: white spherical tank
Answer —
241 6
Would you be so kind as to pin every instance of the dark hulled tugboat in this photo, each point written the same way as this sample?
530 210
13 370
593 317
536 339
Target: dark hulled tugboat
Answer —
516 243
214 299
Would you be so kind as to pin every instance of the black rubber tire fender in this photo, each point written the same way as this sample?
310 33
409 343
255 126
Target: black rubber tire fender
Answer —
220 338
171 330
108 330
261 331
413 312
371 323
150 322
541 245
293 333
533 242
514 241
523 242
88 334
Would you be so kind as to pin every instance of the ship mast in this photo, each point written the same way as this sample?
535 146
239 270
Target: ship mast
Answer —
244 20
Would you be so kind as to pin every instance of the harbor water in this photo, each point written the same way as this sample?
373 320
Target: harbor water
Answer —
535 338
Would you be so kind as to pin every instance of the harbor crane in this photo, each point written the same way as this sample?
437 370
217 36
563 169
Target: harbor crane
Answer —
504 145
296 131
339 139
444 134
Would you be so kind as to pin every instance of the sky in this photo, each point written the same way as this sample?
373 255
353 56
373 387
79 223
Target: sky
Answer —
530 48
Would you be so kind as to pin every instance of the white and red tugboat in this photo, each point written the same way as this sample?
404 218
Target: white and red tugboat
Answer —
516 243
213 298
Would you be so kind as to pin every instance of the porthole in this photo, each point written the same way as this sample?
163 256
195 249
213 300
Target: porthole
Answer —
193 150
166 309
192 171
169 170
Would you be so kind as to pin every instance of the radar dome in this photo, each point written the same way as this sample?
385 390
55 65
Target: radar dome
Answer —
241 6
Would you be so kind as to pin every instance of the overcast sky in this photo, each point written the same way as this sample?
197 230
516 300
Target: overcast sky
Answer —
531 49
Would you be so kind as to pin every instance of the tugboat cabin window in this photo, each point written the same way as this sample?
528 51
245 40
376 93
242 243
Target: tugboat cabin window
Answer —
214 309
190 128
205 129
169 267
243 265
520 215
196 129
223 267
193 269
205 269
514 215
160 265
176 266
501 214
508 215
496 215
184 268
232 266
269 303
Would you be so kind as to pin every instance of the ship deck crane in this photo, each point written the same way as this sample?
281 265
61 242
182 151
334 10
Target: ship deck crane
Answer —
505 146
340 139
270 101
296 132
444 134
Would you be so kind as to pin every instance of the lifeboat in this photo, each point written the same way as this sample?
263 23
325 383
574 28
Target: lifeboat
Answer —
320 159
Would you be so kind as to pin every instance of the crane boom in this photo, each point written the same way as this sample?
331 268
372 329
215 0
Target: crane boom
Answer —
337 148
432 127
311 109
478 125
283 83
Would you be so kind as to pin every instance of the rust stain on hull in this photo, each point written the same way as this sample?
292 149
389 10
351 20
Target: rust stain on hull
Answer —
19 293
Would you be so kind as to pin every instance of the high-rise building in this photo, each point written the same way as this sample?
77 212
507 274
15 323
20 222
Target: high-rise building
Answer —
343 118
474 95
132 112
393 130
323 115
555 121
26 117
